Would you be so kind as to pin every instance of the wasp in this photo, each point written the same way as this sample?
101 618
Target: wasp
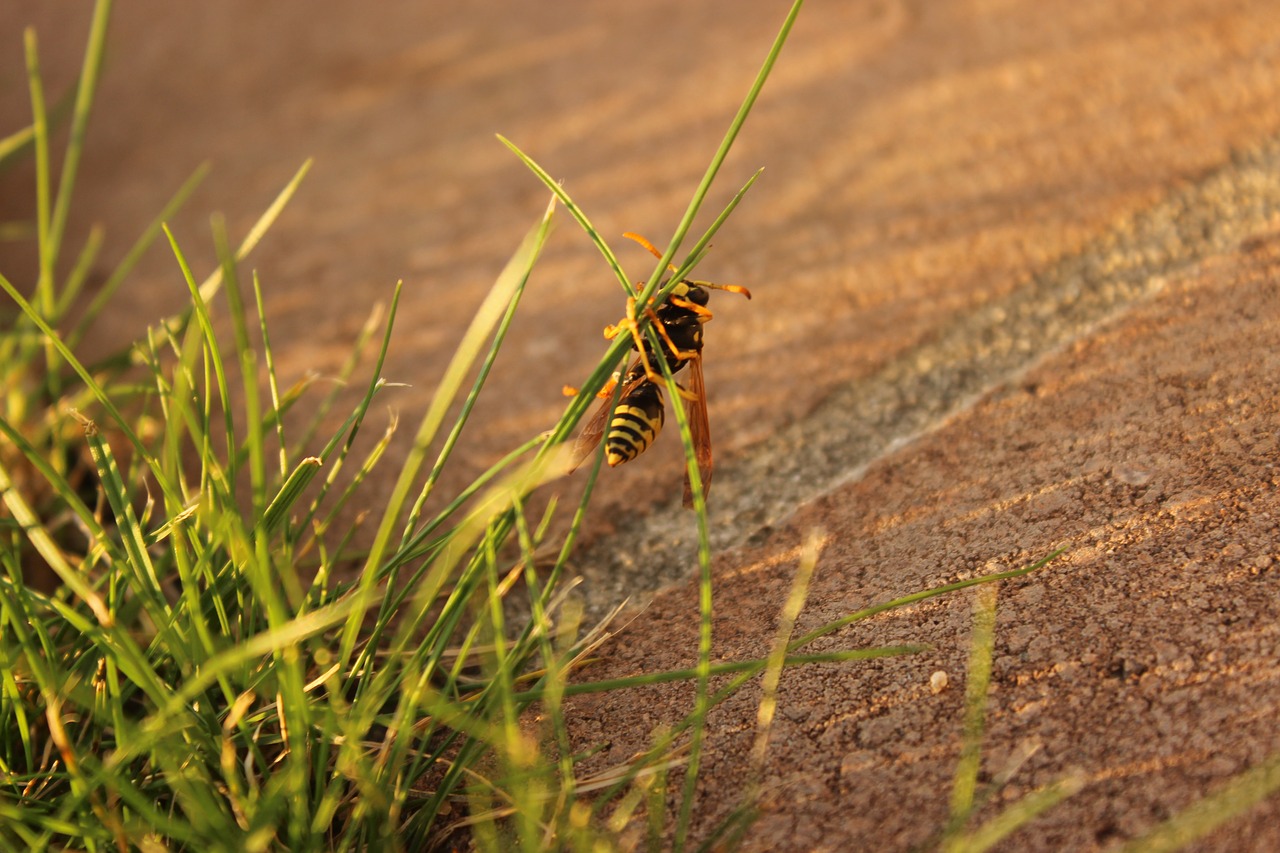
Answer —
638 417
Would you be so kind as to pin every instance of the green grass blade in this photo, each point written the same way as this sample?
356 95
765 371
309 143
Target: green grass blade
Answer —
726 144
1202 817
207 339
131 258
19 143
40 128
90 73
487 316
273 384
1016 815
977 686
259 229
933 592
574 210
247 360
742 817
79 273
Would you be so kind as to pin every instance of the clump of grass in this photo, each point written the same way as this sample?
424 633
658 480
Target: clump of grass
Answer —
193 673
198 677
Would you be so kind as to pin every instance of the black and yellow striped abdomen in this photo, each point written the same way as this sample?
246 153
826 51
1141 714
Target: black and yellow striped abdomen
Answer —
635 424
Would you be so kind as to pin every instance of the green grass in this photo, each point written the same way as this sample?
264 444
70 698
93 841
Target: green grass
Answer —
195 655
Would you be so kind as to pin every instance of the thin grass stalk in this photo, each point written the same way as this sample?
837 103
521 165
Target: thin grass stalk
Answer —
202 337
977 687
745 814
79 273
1020 813
131 258
339 383
723 151
1196 821
273 378
90 73
44 297
178 323
411 534
455 432
575 211
146 580
556 663
316 539
247 360
346 434
507 285
705 593
516 752
932 592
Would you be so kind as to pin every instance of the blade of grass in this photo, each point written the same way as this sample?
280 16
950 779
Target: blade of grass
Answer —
933 592
738 822
488 315
1197 820
131 258
273 384
1016 815
90 72
977 686
574 210
16 144
247 359
259 229
207 341
718 158
346 435
39 125
79 273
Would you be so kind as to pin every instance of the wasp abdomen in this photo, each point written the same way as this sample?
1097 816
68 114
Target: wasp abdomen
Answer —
635 424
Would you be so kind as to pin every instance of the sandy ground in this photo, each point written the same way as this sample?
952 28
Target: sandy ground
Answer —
1014 267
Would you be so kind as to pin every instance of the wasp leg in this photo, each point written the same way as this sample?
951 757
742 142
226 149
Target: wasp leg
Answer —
607 390
661 329
627 322
703 312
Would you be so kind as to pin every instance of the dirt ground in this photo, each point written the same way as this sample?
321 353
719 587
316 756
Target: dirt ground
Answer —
1015 271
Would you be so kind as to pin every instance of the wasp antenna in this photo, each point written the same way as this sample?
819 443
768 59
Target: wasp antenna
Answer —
732 288
631 235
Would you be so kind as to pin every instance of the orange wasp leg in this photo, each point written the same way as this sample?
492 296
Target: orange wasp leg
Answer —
630 324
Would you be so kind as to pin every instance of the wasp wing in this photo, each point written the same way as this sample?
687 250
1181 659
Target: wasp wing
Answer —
699 430
595 429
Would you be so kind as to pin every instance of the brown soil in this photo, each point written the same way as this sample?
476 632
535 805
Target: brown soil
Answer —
1015 273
